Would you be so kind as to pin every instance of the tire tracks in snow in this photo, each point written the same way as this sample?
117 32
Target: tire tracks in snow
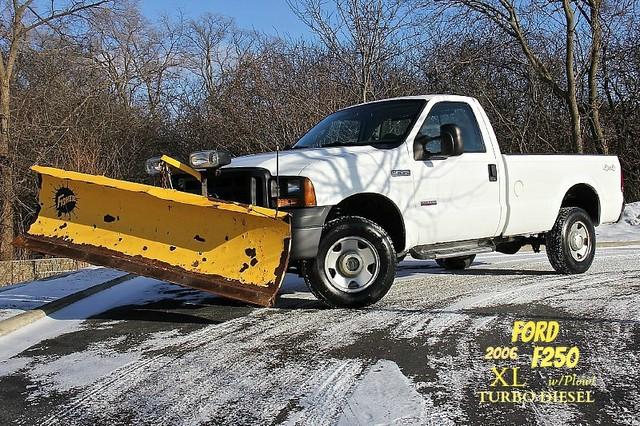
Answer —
290 365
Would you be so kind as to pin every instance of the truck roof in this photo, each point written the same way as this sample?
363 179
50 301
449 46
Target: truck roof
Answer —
420 97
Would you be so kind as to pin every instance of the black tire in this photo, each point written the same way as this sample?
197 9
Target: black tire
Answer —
376 241
456 263
558 244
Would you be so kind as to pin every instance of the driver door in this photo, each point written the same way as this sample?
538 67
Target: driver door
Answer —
457 197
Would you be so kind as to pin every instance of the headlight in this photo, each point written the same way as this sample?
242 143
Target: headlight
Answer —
294 187
209 159
294 191
153 166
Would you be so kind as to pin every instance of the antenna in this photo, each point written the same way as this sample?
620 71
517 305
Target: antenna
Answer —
277 176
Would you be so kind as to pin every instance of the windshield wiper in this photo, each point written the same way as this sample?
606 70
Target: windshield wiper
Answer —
360 143
329 145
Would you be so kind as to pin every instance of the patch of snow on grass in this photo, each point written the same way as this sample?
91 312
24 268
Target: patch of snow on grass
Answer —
627 229
8 313
37 293
70 319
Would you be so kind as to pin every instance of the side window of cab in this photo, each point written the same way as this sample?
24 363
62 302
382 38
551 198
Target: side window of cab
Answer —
458 113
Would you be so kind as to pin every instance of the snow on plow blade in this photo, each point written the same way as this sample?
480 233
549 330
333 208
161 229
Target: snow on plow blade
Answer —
236 251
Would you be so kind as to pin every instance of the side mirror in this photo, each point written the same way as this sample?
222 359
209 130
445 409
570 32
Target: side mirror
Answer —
451 137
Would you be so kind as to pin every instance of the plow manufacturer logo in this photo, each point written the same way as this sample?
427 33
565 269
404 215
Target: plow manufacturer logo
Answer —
65 201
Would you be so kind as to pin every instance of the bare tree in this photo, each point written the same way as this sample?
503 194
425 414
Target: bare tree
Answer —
570 95
362 34
524 21
594 19
110 48
17 21
146 62
157 62
213 47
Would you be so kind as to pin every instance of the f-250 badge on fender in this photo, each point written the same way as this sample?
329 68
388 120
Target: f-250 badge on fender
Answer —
399 173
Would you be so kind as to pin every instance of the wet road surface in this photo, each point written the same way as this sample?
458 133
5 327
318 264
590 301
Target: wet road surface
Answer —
175 356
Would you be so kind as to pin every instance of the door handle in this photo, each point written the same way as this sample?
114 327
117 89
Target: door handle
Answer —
493 173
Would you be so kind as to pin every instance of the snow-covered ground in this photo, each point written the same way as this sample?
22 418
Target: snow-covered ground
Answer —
416 357
413 358
18 298
137 291
21 297
627 229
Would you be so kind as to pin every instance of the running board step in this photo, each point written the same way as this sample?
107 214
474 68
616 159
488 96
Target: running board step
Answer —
448 250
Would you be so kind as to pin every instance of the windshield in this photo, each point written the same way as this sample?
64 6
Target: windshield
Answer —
379 123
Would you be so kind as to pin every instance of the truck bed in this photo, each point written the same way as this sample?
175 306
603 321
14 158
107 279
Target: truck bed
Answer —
536 185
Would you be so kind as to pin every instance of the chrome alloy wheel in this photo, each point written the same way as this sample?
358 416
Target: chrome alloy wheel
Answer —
351 264
579 241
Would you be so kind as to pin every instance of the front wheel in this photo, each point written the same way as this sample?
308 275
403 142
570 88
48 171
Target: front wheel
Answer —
355 265
571 244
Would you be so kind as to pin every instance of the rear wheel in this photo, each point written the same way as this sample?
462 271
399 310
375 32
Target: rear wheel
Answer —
355 265
456 263
571 244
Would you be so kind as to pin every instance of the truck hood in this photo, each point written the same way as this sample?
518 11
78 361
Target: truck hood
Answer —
292 162
339 172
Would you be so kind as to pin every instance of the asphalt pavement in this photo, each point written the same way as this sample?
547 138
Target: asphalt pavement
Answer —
168 355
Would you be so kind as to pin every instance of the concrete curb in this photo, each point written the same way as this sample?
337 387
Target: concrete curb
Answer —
14 323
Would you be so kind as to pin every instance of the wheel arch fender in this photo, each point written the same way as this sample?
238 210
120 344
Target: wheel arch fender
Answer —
377 208
584 196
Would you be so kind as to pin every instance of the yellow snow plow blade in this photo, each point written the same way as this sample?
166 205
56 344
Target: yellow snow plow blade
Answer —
233 250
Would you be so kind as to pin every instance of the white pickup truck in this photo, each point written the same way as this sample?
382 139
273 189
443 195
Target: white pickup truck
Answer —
424 176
